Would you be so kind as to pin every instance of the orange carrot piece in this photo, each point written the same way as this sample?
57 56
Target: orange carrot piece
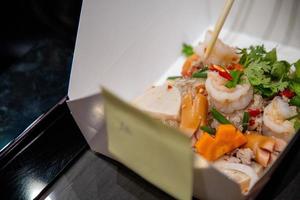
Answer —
227 138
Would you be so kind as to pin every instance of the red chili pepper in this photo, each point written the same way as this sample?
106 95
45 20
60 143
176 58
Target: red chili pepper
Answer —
251 122
287 93
254 112
235 66
226 75
222 72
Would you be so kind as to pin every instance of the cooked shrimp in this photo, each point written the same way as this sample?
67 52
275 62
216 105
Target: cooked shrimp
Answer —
222 54
275 119
227 100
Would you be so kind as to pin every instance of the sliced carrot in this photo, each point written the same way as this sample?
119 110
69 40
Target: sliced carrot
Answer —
227 138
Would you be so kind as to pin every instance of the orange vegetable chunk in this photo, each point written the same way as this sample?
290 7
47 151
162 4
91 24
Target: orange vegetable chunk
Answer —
227 139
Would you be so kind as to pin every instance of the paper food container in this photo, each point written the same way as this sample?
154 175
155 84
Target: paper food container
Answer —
126 46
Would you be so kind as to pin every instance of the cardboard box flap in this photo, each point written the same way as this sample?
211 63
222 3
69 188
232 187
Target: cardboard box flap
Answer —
121 43
118 40
160 154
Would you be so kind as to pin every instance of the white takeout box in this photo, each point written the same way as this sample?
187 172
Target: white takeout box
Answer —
127 45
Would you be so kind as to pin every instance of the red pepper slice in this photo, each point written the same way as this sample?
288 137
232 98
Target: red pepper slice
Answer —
254 112
222 72
251 122
287 93
226 75
235 66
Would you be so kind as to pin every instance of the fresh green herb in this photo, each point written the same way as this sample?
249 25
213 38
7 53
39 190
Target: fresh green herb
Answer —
252 54
271 56
295 101
259 75
267 75
295 86
297 67
245 121
173 77
208 129
219 117
187 50
236 77
280 69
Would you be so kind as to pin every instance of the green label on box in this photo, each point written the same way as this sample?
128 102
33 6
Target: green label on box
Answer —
160 154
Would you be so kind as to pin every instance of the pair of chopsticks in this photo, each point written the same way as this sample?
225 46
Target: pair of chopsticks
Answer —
218 27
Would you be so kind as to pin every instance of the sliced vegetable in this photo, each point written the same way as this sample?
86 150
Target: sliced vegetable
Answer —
287 93
187 66
222 72
219 117
208 129
235 66
254 112
201 73
187 50
193 113
173 77
245 121
227 138
236 76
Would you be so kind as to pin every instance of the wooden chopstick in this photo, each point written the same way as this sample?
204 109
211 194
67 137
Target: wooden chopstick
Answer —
218 27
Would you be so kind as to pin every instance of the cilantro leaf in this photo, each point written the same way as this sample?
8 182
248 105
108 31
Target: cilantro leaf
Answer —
297 67
295 86
280 69
236 76
271 56
187 50
259 76
295 101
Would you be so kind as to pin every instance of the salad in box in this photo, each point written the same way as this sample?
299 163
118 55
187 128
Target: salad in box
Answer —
239 107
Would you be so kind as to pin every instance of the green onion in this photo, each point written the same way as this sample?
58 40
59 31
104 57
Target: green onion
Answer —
208 129
246 117
200 75
219 117
236 77
173 77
